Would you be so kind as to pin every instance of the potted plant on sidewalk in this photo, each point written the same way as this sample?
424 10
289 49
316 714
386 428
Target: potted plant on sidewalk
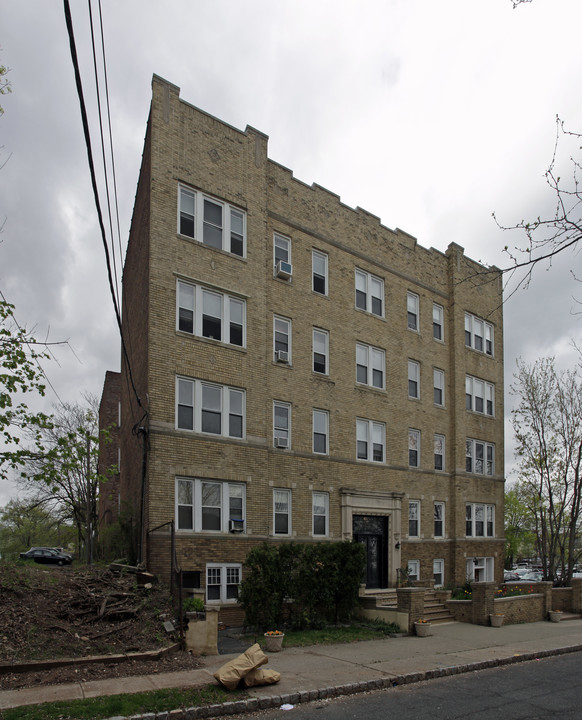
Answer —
422 627
274 640
496 619
555 615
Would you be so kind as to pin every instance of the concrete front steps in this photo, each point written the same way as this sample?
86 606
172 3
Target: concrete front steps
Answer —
434 611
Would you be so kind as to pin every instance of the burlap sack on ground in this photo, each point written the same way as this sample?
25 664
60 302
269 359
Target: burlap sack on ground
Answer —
233 671
261 676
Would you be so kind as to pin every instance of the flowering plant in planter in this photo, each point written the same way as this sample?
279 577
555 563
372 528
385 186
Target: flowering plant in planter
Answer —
422 620
273 633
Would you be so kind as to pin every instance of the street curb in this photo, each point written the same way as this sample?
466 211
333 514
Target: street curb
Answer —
269 702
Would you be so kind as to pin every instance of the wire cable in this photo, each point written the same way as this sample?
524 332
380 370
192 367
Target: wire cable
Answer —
84 119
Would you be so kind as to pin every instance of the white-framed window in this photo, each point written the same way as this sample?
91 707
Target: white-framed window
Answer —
439 387
206 313
209 408
439 452
414 518
480 457
439 519
413 570
413 379
222 582
369 293
320 432
211 221
480 569
320 512
370 366
281 512
281 424
320 351
282 339
412 306
438 322
210 505
281 249
413 448
478 334
438 571
370 440
319 272
480 520
480 395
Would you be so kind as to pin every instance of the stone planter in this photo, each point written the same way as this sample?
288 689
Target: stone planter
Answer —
555 615
496 620
423 629
274 643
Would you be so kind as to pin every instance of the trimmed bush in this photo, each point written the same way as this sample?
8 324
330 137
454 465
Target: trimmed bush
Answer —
305 586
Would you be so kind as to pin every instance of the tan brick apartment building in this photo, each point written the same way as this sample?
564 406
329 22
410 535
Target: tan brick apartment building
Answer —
308 373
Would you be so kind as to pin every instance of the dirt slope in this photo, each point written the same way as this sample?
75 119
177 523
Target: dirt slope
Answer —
52 612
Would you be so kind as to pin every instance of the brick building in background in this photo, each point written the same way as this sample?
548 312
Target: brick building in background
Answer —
300 372
109 412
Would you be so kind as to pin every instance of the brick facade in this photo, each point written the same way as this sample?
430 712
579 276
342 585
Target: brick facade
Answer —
185 147
109 448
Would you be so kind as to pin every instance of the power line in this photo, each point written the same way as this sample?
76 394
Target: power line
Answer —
87 136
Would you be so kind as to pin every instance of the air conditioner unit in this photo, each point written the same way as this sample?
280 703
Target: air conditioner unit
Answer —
283 270
282 356
236 526
281 442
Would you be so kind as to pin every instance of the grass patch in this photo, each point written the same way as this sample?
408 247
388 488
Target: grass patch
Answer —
370 630
110 706
174 698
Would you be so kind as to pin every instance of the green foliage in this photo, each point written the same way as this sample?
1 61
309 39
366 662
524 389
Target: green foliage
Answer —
120 539
25 523
156 701
193 604
301 585
514 591
520 541
20 374
462 593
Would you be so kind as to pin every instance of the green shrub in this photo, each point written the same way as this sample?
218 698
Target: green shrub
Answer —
305 586
193 604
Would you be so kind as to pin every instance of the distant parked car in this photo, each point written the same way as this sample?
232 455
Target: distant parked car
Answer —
509 576
531 577
46 556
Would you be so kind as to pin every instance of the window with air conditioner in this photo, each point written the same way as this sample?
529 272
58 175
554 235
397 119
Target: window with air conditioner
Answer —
282 256
281 425
282 340
210 505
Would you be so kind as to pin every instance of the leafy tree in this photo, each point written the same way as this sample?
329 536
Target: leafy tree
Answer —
548 429
519 524
20 375
26 523
66 476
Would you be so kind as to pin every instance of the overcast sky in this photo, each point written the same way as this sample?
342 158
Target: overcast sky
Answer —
431 115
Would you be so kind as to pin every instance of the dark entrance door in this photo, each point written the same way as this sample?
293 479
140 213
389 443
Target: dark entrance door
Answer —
372 532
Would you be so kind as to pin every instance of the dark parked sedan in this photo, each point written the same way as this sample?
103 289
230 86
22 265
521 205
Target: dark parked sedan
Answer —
47 556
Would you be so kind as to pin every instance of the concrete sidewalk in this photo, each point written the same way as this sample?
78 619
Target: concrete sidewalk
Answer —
321 671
